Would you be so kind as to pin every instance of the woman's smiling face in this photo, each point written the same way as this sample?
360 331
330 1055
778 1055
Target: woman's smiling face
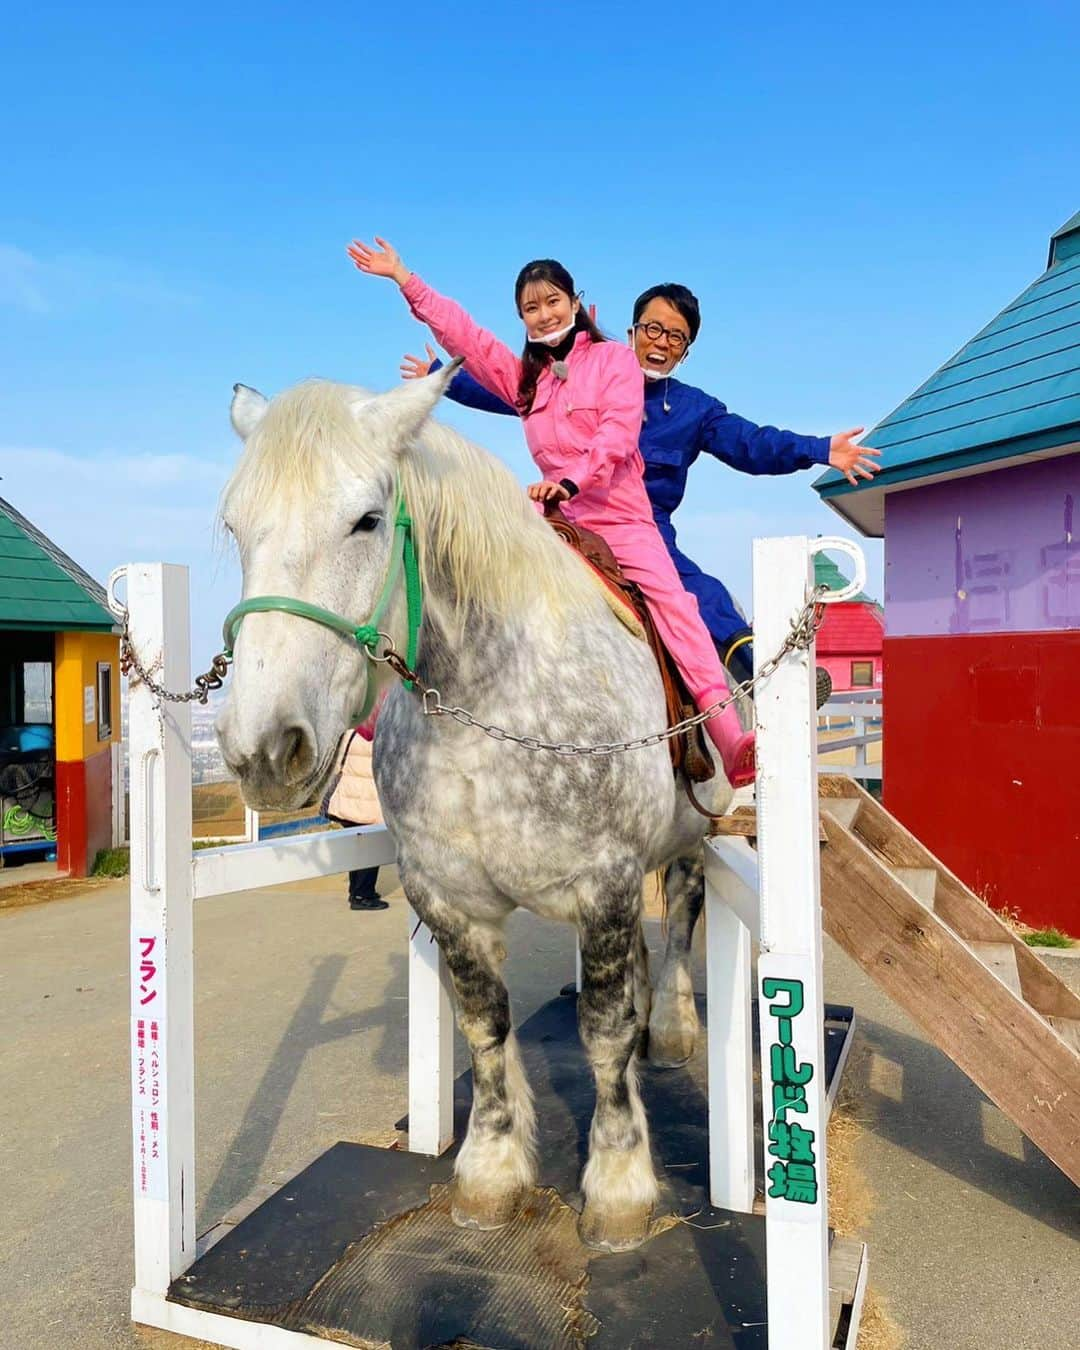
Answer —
546 309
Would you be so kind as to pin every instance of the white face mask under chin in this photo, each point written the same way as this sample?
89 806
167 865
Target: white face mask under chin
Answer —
553 339
651 374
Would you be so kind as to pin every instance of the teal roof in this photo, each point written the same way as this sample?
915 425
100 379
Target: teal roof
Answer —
40 587
1013 390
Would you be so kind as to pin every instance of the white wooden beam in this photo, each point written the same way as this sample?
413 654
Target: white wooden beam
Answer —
245 867
162 990
789 963
431 1043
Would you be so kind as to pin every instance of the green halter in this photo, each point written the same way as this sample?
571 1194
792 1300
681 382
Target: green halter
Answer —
365 635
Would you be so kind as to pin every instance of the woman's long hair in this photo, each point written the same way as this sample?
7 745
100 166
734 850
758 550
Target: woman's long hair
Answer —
535 358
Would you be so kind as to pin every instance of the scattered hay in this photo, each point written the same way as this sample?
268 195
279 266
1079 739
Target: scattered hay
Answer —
851 1199
877 1330
37 892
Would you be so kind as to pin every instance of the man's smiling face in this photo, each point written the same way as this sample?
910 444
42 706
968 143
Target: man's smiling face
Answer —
663 351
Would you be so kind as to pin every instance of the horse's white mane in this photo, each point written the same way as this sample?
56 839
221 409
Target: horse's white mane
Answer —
474 524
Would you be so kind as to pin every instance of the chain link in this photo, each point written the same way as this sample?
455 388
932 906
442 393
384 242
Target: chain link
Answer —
214 678
803 628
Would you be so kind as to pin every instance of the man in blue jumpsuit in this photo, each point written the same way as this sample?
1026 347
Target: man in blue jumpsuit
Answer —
681 423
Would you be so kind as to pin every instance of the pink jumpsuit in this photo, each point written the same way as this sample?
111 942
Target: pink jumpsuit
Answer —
586 428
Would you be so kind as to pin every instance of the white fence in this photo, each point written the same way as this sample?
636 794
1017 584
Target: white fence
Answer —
770 897
863 710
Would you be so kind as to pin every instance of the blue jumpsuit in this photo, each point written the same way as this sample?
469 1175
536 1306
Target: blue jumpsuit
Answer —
680 423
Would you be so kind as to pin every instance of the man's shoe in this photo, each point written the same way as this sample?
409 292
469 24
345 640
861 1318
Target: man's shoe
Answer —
367 902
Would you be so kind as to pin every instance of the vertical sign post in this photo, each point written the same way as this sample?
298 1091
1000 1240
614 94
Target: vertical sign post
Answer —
789 967
162 991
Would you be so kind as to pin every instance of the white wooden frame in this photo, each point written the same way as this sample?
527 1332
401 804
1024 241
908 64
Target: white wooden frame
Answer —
771 897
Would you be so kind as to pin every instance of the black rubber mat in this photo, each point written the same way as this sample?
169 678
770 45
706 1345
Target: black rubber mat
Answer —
318 1254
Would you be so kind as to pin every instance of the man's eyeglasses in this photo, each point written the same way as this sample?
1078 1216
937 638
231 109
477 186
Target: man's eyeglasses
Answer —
677 341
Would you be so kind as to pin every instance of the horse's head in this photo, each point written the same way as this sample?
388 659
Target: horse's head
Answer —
311 508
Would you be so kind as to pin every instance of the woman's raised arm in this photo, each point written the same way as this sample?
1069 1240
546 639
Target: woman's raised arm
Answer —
489 360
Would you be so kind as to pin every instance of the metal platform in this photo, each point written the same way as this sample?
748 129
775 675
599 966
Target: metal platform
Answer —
358 1249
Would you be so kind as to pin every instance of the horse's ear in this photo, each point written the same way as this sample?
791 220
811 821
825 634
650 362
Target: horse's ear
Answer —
405 409
248 407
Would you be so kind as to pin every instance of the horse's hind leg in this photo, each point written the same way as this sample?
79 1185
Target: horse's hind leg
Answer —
673 1023
619 1183
496 1164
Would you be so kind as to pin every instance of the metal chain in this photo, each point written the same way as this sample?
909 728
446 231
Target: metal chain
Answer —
799 638
803 629
214 678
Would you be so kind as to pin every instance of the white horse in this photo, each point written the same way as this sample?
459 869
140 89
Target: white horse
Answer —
517 630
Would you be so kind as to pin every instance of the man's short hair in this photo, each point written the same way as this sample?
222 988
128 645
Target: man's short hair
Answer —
684 300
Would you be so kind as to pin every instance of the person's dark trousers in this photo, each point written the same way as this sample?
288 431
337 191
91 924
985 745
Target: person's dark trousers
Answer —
362 892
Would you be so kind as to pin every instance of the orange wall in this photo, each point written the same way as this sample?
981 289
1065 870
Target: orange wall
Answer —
76 662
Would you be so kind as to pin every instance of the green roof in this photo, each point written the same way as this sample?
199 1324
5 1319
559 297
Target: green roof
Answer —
1012 391
827 573
41 588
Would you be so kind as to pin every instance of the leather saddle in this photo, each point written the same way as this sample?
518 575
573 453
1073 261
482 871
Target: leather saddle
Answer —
688 752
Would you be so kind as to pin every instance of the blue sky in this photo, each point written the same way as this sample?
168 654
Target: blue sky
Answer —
852 191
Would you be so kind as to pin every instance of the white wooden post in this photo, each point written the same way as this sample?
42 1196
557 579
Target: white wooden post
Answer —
431 1044
730 1044
860 749
162 992
789 966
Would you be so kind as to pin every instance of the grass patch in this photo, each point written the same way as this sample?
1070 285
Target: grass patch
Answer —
1048 937
112 862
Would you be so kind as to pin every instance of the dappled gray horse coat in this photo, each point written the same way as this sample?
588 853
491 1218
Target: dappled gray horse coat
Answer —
516 630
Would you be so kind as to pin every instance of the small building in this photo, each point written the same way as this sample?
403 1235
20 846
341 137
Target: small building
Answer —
849 641
977 501
59 703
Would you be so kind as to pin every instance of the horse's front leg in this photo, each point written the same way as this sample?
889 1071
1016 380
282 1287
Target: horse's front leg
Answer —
673 1023
496 1164
618 1183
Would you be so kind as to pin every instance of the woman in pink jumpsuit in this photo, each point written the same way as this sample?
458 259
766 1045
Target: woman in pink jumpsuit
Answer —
581 399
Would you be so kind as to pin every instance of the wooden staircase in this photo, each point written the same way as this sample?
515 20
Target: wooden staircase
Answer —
978 992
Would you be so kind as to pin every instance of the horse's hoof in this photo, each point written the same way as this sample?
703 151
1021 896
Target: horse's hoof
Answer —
666 1063
671 1052
620 1232
485 1212
672 1038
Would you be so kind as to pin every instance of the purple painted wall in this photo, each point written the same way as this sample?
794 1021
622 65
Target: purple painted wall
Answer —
998 552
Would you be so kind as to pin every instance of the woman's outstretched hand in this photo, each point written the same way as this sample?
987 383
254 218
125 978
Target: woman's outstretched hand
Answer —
378 262
547 492
415 367
852 459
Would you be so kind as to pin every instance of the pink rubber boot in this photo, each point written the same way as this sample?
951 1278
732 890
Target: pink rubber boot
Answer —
736 746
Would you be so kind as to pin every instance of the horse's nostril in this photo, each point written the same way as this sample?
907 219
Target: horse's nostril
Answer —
297 754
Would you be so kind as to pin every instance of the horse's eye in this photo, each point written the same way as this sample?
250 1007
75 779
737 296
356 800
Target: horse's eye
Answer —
366 523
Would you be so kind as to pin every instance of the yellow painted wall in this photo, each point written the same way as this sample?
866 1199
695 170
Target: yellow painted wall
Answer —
76 662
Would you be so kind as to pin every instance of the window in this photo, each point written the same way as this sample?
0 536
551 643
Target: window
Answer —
36 692
862 674
104 701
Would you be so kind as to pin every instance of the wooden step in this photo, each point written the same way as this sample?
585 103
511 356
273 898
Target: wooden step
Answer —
954 904
1068 1028
920 881
980 994
843 809
1001 959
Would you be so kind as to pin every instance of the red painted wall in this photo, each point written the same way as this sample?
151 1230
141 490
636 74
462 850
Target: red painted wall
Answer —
982 747
83 811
